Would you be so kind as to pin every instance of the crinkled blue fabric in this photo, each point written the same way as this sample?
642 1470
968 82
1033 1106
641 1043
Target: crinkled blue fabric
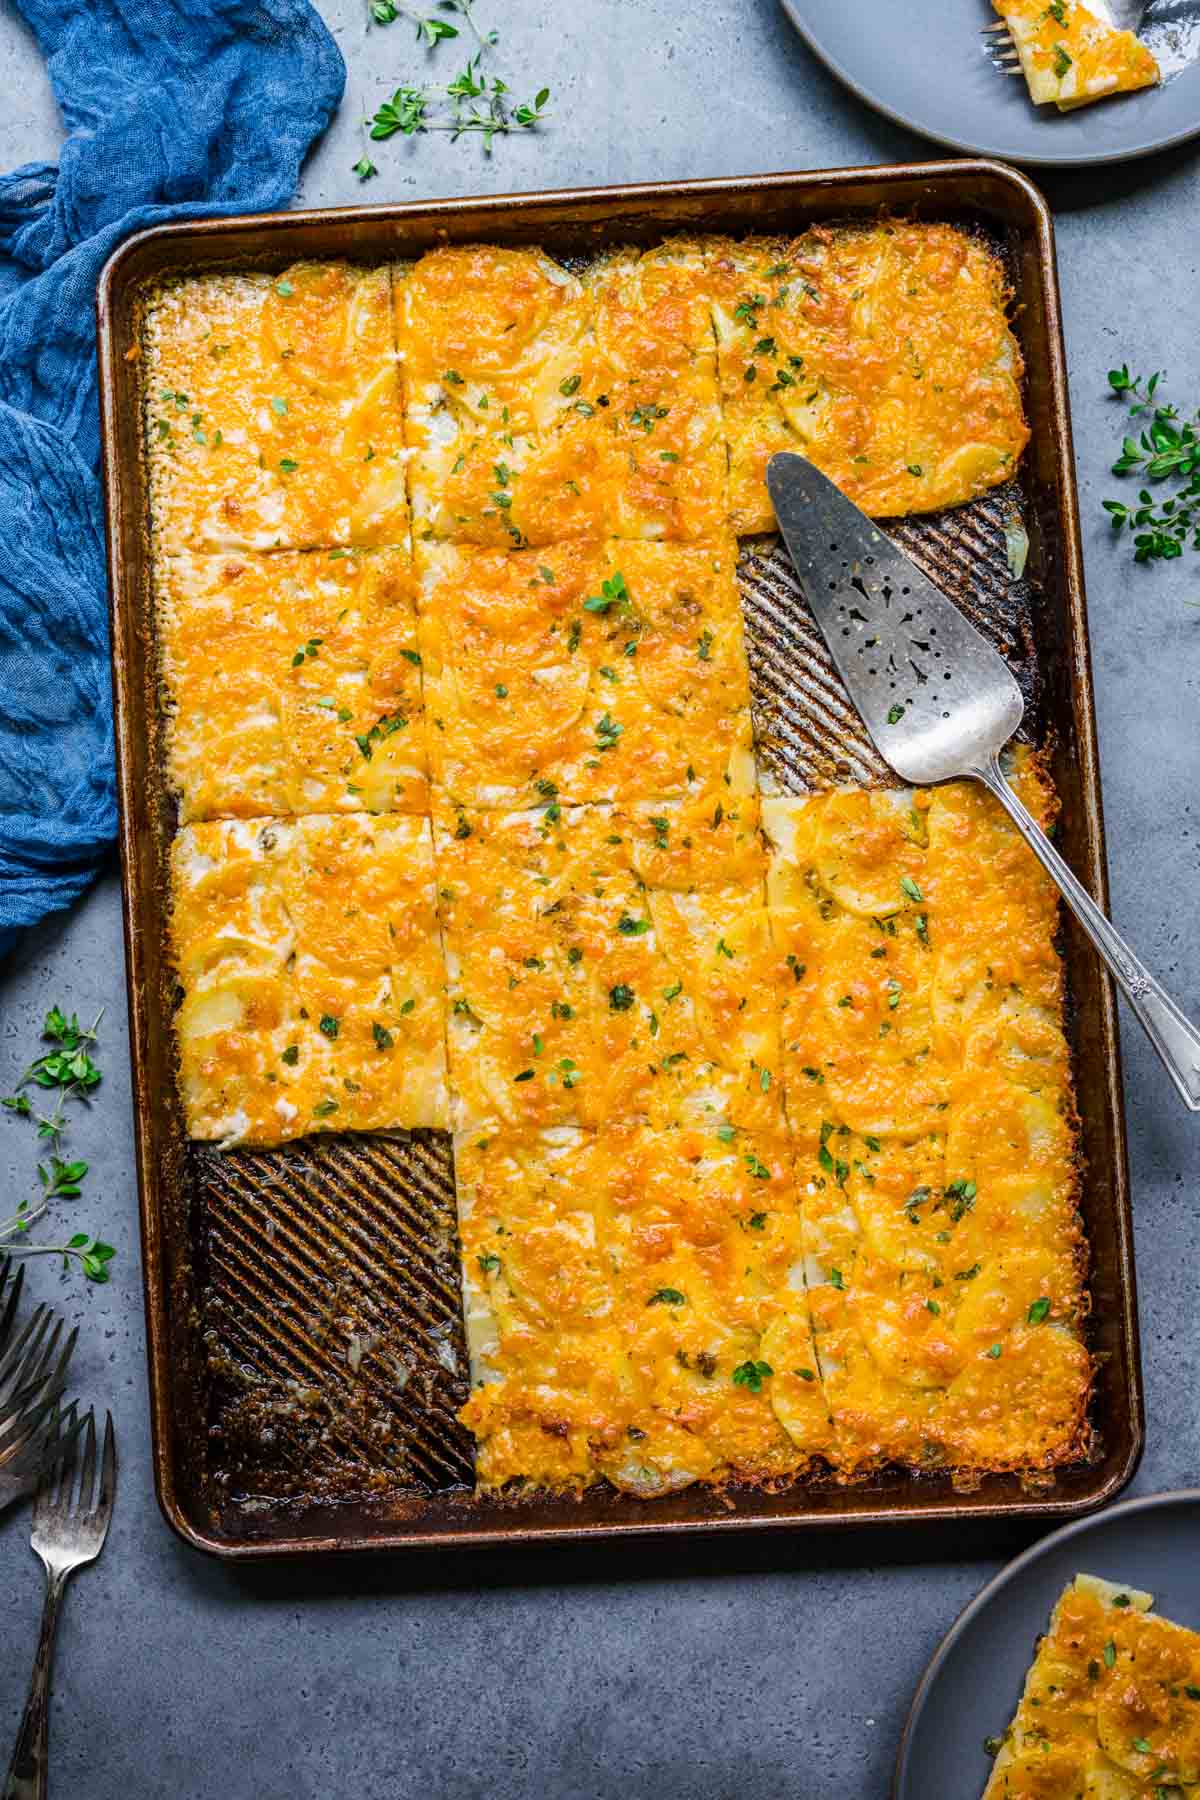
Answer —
175 110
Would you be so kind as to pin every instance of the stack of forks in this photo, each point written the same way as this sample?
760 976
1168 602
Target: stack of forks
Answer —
48 1448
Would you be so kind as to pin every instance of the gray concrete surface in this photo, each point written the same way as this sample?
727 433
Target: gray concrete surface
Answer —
711 1673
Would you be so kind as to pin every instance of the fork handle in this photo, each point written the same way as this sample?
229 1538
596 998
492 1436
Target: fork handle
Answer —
1175 1038
27 1772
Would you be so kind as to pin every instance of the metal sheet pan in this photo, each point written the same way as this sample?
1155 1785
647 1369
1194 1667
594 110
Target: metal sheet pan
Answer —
305 1349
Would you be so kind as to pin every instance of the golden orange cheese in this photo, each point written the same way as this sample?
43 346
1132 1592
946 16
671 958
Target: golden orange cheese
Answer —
1072 54
635 1307
292 683
310 965
1111 1706
610 963
764 1142
543 405
273 417
929 1099
883 355
590 671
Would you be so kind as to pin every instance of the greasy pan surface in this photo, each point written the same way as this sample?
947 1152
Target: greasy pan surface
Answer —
306 1352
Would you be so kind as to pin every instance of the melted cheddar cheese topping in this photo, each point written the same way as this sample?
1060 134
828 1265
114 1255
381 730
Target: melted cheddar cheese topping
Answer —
273 412
543 406
635 1307
593 671
311 967
928 1095
1072 54
292 683
1111 1707
762 1106
883 356
610 963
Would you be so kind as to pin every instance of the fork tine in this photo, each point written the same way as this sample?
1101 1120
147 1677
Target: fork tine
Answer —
32 1438
25 1368
44 1384
59 1479
13 1357
30 1401
35 1370
87 1472
14 1295
58 1375
997 30
60 1427
108 1473
70 1467
33 1406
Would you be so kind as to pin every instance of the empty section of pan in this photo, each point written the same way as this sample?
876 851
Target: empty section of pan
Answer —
332 1323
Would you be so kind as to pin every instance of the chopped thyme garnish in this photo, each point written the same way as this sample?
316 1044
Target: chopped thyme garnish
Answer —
382 728
607 732
752 1375
307 652
613 592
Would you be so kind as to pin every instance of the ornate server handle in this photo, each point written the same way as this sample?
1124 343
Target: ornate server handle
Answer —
27 1775
1174 1037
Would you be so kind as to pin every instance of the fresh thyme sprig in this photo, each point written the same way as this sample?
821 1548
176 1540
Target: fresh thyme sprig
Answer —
474 101
69 1069
429 31
1166 450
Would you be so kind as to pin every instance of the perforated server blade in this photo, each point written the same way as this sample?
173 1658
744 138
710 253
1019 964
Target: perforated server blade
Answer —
939 701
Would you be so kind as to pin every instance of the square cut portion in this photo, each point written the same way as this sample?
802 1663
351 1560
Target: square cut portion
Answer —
1111 1705
635 1308
292 683
883 355
584 671
929 1103
849 918
666 451
311 968
542 405
273 412
609 963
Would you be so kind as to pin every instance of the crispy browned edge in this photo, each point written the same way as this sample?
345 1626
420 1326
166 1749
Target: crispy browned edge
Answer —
577 222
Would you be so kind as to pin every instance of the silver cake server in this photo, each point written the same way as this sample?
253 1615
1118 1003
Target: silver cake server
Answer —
939 702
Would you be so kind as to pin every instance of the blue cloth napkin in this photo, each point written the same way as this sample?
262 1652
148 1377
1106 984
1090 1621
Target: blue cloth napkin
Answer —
175 109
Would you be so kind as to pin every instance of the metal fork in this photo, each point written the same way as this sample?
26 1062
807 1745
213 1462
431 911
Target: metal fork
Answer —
70 1524
940 702
33 1374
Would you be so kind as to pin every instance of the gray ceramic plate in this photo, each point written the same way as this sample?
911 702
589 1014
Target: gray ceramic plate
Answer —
923 63
970 1690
